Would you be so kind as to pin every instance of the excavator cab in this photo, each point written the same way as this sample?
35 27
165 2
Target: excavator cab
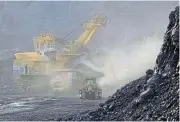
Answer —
91 90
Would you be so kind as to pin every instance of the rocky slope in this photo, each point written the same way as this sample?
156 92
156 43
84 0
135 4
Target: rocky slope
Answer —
152 97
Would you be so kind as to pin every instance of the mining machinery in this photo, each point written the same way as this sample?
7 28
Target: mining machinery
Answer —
49 69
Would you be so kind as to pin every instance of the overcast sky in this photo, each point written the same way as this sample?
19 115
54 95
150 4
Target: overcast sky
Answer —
128 21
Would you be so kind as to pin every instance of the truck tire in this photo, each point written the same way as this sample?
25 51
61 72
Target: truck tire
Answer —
83 94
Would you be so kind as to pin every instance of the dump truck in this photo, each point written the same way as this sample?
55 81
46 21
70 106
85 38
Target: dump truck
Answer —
91 90
76 76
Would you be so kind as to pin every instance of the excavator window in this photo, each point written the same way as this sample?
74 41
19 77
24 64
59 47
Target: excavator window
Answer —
90 81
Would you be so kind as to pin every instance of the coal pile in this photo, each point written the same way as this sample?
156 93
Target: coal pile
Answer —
152 97
7 86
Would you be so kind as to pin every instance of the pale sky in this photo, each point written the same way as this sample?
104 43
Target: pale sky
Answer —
130 21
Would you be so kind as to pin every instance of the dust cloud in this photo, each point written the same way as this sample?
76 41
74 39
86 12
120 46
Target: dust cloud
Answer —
127 62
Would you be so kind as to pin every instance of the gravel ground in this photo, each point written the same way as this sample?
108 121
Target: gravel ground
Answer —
41 108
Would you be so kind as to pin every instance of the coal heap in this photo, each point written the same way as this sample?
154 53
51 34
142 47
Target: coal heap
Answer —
7 86
152 97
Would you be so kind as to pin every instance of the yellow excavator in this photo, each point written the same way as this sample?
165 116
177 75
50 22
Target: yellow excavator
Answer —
48 69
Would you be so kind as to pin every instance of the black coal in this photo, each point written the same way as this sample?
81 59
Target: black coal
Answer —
152 97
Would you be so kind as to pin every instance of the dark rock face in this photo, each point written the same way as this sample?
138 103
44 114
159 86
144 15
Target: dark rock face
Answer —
152 97
149 72
167 60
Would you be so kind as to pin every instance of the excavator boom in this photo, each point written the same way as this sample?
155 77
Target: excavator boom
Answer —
89 29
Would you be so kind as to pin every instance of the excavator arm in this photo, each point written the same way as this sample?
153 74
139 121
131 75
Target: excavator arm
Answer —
89 29
72 48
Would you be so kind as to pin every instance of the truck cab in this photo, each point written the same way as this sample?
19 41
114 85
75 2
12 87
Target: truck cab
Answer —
91 90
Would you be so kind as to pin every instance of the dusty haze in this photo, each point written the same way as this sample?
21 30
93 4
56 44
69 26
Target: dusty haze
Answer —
121 67
130 41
